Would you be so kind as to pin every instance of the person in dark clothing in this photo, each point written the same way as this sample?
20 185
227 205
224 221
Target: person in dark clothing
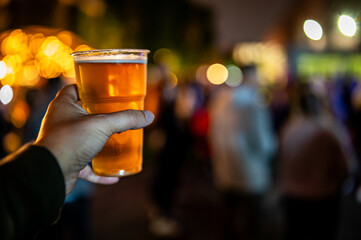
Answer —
314 165
35 179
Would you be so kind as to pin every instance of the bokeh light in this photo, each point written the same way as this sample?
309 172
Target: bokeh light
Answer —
94 8
217 74
201 74
82 47
50 46
168 58
19 114
11 142
65 37
313 29
15 43
3 69
172 80
235 76
30 74
269 57
347 25
6 94
29 55
247 53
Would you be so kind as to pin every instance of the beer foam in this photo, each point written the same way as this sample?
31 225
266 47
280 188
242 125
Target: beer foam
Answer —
111 56
101 60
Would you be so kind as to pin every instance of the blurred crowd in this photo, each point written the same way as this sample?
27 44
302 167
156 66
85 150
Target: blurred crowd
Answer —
296 146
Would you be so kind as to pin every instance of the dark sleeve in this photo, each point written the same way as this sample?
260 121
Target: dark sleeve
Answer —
32 192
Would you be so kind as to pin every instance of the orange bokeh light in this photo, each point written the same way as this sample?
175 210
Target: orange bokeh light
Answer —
29 56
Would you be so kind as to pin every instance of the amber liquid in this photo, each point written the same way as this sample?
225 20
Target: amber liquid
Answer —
106 87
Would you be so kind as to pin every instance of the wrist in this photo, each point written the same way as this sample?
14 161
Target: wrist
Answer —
69 175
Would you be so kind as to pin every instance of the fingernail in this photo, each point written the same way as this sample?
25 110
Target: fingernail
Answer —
149 116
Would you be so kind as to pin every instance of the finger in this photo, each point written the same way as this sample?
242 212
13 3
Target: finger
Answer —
125 120
87 174
69 92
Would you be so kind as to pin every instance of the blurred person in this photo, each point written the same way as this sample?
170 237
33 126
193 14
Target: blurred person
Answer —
35 179
338 94
173 121
243 143
313 168
355 128
199 123
280 108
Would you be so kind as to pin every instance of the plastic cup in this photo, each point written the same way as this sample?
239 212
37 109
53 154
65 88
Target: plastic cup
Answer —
112 80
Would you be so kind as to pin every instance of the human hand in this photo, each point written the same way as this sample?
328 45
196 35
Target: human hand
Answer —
75 137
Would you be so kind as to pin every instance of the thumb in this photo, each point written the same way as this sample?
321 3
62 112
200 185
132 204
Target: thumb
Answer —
68 93
124 120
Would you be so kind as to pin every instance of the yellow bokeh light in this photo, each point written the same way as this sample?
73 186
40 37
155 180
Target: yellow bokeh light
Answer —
65 37
63 60
54 59
269 57
166 57
29 56
82 47
70 74
217 74
9 79
30 74
172 80
50 46
15 43
35 43
3 69
14 62
247 53
161 55
68 63
11 142
47 69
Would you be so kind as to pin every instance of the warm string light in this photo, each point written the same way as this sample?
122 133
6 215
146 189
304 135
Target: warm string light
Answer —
28 57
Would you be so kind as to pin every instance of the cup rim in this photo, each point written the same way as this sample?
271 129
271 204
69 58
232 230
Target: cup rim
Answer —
107 52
